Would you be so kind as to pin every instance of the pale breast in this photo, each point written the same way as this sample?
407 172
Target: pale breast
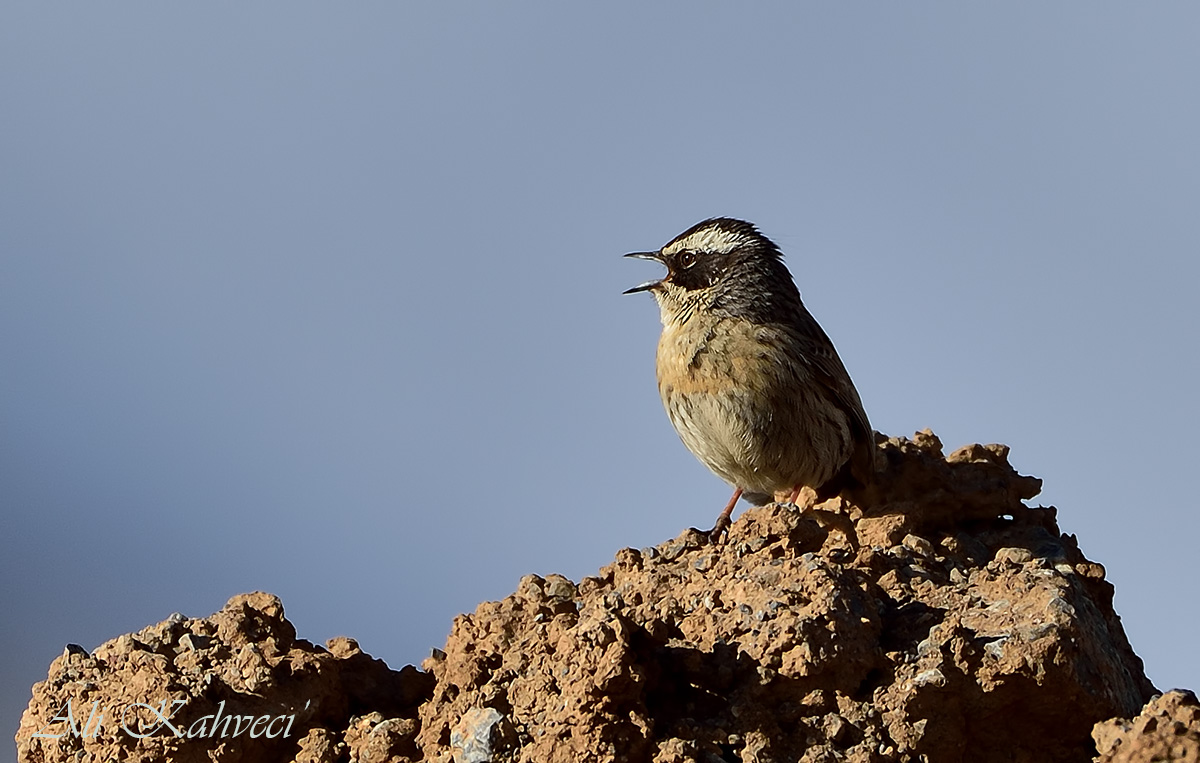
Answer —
746 407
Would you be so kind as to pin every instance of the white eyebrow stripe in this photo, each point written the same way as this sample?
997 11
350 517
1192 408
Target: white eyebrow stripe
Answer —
714 240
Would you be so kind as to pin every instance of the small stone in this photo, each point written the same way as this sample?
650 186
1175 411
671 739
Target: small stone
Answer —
194 642
1060 606
673 551
756 542
1015 556
530 587
928 646
927 440
1039 631
559 587
918 545
996 648
474 737
836 727
630 558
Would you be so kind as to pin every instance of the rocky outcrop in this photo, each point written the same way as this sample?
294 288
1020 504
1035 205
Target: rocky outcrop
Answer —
1168 728
932 617
193 689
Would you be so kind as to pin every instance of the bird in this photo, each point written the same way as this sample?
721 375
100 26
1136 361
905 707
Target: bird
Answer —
750 381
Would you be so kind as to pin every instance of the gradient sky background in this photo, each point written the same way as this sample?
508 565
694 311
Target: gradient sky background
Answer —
326 300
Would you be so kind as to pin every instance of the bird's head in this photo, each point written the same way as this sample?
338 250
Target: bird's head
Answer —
720 264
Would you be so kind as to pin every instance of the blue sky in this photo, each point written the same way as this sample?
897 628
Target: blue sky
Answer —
326 301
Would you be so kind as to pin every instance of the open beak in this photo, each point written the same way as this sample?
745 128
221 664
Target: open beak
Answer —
657 257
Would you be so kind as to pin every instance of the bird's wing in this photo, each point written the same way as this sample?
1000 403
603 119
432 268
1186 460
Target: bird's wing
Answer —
827 368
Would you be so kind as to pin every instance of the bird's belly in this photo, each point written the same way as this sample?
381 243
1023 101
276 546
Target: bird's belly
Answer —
747 412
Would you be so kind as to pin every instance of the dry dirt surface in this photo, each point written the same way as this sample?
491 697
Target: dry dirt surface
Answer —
933 617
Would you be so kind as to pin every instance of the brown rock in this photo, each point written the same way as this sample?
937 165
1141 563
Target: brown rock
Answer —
933 616
219 677
1168 728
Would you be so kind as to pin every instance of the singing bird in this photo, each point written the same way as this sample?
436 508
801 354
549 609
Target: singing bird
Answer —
749 379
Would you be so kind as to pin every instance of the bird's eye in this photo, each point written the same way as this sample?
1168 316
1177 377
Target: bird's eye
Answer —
687 259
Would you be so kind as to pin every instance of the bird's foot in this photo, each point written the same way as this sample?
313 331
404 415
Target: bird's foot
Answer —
720 530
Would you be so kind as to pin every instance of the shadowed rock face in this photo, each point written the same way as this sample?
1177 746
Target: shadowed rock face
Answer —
932 616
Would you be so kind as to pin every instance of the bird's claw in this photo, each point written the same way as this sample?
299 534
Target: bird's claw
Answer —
719 531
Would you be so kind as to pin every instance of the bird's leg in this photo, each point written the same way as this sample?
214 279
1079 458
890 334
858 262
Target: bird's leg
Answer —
723 521
795 495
